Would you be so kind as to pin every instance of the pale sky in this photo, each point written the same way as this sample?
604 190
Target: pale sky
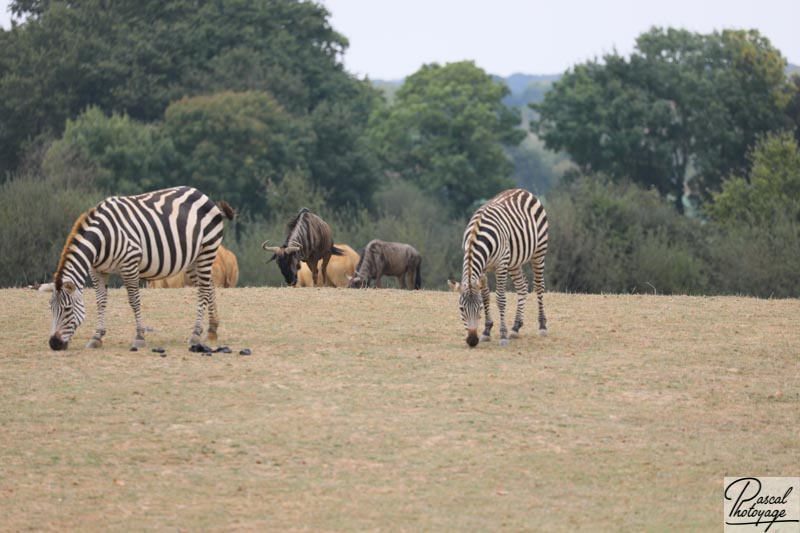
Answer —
390 39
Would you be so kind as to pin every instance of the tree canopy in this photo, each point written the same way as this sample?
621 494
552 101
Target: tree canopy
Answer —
771 188
681 111
445 131
134 57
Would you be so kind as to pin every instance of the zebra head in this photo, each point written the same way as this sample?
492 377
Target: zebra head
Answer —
68 313
470 302
288 259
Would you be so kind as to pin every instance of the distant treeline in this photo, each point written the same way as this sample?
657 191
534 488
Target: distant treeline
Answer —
672 170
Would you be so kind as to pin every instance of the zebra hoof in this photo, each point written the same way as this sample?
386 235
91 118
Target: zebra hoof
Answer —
94 343
138 343
513 334
485 338
503 342
543 333
212 336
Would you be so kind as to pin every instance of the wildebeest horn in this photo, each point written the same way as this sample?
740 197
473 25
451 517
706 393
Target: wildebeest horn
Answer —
274 249
291 249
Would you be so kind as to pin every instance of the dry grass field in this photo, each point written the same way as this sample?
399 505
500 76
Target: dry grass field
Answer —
365 410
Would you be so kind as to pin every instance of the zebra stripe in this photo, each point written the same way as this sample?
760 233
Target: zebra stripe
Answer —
503 235
148 236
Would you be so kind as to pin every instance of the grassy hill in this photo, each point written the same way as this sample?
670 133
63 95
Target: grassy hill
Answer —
366 410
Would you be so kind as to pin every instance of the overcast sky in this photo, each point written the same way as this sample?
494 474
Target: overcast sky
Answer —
391 39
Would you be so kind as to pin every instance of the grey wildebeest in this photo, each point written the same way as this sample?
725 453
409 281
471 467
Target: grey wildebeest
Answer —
381 258
309 239
340 269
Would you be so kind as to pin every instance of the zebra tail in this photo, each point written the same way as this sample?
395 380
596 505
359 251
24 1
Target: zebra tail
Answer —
418 277
226 209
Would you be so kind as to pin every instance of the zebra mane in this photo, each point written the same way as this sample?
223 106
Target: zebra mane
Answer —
473 235
57 277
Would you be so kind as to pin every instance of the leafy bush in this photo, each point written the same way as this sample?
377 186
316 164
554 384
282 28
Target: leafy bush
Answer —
771 187
620 238
121 156
231 144
36 215
757 259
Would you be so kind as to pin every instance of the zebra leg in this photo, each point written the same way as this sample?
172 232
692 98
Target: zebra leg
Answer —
213 321
213 316
521 286
538 286
200 273
101 294
487 307
501 278
130 278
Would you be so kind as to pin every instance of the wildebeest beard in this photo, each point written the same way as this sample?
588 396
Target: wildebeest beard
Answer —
286 262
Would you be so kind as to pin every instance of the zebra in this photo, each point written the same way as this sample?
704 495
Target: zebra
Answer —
502 235
148 236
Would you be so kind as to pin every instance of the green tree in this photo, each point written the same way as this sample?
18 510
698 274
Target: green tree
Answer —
230 145
681 110
135 57
445 132
771 188
125 156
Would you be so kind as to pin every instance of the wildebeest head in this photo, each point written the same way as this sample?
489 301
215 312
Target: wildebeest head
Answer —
357 281
68 313
288 259
470 302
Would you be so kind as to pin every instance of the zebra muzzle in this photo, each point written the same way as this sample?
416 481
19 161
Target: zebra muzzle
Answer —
57 344
472 338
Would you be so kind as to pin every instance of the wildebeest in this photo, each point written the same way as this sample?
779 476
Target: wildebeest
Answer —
381 258
224 273
340 269
309 239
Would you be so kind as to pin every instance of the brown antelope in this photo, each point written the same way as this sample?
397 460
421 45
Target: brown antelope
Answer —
224 273
339 270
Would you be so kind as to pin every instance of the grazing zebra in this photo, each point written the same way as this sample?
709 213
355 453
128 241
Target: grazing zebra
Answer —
503 234
309 239
149 236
